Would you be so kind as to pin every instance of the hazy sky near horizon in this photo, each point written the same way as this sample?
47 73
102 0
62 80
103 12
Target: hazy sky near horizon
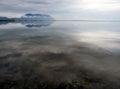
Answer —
63 9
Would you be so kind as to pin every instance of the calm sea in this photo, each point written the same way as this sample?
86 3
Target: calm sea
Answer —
59 51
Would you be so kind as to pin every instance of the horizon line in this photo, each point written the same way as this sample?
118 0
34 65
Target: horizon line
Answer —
92 20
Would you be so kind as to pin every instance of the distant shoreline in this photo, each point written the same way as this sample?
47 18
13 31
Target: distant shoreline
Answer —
92 20
65 20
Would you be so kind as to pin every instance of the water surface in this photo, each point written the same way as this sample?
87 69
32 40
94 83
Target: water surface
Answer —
60 52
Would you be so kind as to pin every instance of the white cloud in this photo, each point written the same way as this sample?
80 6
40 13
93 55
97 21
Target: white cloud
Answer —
98 5
66 9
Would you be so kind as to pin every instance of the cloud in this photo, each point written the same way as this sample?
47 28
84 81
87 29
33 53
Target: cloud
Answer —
63 9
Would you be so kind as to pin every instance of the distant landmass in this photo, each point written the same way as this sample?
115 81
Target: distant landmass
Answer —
29 17
29 20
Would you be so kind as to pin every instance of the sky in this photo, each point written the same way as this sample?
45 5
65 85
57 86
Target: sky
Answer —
63 9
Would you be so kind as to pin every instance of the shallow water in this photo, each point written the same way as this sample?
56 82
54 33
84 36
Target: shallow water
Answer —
59 51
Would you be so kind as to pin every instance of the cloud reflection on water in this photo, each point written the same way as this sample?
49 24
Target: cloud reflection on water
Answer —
29 23
56 54
105 39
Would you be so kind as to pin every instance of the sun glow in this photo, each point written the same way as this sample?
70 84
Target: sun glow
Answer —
100 5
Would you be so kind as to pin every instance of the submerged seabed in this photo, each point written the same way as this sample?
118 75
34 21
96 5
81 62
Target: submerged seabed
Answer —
61 55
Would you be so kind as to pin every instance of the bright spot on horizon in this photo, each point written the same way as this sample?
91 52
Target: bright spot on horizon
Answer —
98 5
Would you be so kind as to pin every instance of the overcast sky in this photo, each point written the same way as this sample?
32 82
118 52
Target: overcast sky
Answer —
63 9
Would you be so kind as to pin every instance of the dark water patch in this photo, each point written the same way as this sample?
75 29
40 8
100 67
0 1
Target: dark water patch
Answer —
11 55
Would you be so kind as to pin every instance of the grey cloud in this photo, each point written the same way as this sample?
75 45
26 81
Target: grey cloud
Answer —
36 4
10 8
57 8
